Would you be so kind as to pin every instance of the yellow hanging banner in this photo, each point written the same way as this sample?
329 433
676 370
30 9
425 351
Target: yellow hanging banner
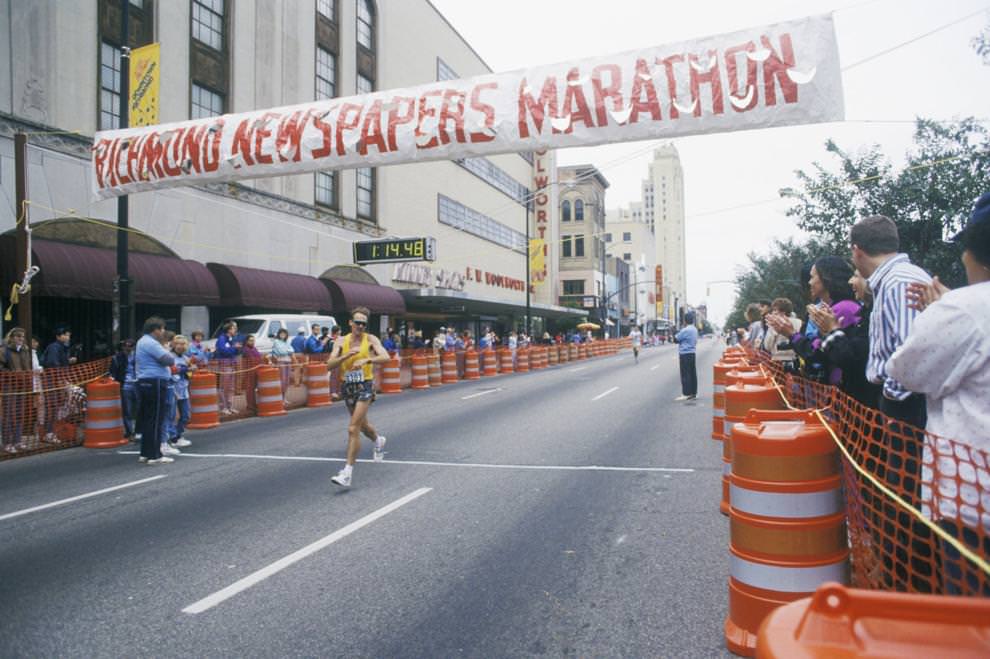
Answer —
144 84
537 261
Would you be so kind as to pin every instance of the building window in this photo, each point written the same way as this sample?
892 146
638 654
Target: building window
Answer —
364 85
579 211
627 257
326 74
326 188
468 220
327 8
565 212
365 25
444 72
496 177
565 242
109 86
366 193
608 237
207 22
626 236
578 245
573 287
205 103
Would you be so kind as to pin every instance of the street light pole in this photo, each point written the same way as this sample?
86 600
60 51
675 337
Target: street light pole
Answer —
529 282
123 309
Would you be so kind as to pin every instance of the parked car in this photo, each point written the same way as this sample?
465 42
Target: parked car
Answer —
266 326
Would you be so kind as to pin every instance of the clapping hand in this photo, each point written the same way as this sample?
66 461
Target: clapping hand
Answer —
824 318
780 324
920 296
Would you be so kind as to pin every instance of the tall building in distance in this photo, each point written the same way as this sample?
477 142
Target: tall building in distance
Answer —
630 238
661 208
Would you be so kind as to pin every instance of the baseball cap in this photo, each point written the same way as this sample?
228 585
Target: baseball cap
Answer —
301 329
979 217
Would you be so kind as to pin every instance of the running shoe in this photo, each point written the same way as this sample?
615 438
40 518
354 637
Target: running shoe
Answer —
143 460
164 460
168 449
379 453
682 398
342 479
181 442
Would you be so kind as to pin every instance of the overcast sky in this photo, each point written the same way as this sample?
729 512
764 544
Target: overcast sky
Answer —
939 76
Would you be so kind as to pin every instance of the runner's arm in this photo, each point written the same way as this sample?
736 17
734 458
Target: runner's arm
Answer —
381 355
335 357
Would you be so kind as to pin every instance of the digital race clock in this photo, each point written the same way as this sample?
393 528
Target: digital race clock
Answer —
394 250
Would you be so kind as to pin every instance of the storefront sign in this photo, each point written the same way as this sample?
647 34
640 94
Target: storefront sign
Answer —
492 279
427 277
776 75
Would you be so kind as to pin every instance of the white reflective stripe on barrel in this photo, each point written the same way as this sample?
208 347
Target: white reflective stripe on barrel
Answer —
787 579
203 392
719 388
727 428
792 505
718 411
104 425
103 404
726 468
269 399
200 409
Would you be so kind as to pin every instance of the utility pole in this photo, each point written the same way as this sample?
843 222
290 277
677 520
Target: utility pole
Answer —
123 309
21 217
529 282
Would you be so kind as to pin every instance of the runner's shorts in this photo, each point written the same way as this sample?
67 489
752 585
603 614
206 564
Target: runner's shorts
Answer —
358 391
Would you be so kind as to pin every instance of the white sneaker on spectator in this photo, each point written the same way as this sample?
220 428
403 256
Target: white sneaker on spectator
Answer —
168 449
182 442
682 398
143 460
164 460
379 453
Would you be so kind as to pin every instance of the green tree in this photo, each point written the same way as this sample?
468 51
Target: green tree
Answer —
777 273
947 169
981 43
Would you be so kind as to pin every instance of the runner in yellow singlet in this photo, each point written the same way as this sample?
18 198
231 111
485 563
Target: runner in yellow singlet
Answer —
356 354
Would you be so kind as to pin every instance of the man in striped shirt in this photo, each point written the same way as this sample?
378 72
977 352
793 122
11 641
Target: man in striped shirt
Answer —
874 253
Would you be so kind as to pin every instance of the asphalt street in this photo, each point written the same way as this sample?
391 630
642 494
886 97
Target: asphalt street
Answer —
566 512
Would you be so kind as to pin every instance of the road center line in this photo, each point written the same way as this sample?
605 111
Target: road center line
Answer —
653 368
80 497
210 601
579 368
427 463
481 393
605 393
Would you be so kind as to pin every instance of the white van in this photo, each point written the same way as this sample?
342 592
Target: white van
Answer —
266 326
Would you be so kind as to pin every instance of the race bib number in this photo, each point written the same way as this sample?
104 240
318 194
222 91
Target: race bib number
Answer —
354 377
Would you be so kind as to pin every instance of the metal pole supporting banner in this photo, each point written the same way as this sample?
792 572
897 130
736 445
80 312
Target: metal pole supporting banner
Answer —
23 241
529 282
123 309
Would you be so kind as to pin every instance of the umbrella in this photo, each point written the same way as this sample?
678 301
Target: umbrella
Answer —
588 326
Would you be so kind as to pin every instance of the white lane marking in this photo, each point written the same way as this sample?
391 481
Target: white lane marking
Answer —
604 393
653 368
258 576
579 368
481 393
426 463
80 497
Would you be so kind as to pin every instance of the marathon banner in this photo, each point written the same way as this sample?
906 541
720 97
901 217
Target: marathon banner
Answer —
777 75
145 75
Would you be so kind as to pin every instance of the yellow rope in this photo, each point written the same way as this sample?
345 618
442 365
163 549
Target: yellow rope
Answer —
937 530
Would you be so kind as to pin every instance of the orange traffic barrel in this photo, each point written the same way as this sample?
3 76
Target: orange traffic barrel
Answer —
740 398
471 369
571 352
553 355
544 356
104 419
505 361
392 376
317 385
846 622
449 368
522 360
720 372
269 392
203 406
433 371
787 520
491 362
420 372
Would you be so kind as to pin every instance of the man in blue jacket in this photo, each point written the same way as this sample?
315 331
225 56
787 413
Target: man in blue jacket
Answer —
687 342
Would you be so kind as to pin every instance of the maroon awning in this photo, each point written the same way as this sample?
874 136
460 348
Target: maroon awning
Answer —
379 299
251 287
80 271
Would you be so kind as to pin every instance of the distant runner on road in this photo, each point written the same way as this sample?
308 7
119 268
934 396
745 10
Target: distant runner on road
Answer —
353 354
637 342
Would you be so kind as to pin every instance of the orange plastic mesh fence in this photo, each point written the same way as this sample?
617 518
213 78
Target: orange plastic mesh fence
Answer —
901 484
45 410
